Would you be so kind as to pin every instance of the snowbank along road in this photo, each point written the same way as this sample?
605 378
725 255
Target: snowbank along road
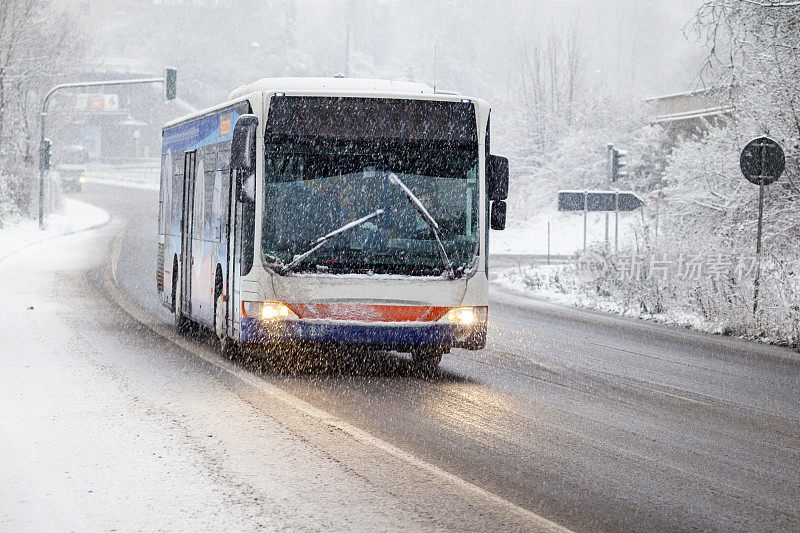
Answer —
568 418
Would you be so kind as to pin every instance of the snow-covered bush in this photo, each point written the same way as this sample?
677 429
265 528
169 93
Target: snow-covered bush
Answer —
714 304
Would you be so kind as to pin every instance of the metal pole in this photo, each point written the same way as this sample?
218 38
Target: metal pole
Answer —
757 281
43 115
41 168
606 229
434 67
50 191
347 52
548 242
585 216
658 201
616 221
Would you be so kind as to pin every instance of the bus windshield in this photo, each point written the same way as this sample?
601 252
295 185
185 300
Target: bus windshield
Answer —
319 178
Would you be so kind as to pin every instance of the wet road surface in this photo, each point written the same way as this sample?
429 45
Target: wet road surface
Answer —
594 422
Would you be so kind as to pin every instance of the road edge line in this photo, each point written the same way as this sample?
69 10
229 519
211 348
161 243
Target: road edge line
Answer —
288 399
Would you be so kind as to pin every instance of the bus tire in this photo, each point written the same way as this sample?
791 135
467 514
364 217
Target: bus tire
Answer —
426 359
181 322
227 346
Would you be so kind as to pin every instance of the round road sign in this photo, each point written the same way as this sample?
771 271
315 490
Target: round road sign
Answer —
762 160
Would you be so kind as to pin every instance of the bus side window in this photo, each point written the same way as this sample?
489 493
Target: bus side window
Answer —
246 229
199 200
210 157
224 159
163 200
209 219
177 192
216 206
247 211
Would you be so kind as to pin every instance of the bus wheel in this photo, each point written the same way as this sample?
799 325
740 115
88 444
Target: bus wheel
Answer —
181 322
426 359
228 346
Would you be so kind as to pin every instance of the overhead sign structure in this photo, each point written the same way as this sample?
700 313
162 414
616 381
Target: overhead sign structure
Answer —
762 162
610 201
599 201
110 102
97 102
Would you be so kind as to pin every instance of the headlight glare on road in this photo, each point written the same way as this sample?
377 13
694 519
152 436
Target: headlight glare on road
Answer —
267 311
466 315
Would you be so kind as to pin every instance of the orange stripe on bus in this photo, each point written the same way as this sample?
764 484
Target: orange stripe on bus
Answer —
370 313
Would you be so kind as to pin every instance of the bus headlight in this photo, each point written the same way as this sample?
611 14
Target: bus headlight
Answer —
82 180
267 311
466 316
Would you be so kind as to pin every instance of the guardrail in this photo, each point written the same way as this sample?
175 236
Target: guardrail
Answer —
531 259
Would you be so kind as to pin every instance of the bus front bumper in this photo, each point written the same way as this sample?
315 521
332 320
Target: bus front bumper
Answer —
381 336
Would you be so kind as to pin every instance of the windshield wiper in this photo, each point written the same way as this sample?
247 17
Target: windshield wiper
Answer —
322 240
420 207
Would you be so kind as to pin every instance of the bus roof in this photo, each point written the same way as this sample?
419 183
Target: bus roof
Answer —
331 84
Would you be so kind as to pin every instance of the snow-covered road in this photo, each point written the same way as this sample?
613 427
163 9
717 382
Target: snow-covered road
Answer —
594 422
107 426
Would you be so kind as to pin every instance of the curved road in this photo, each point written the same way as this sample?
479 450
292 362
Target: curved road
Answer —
591 421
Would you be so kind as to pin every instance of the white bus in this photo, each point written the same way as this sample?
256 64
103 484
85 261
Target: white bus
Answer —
333 210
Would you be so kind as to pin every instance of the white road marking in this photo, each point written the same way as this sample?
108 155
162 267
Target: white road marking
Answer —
538 522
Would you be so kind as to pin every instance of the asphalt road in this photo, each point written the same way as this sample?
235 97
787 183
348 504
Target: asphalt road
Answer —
591 421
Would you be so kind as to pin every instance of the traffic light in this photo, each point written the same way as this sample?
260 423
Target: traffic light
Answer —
170 83
616 163
44 155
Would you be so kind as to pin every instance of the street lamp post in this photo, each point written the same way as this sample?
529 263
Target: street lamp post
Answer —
169 81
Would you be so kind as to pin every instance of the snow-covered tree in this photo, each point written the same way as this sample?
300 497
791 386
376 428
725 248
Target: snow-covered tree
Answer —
754 52
38 46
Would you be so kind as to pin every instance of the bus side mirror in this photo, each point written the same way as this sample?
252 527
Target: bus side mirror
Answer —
243 157
497 180
498 215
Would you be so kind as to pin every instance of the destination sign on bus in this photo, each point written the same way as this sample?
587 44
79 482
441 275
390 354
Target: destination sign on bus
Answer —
352 119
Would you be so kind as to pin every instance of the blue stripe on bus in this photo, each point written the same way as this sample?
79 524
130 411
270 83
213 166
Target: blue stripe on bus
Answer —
256 331
199 132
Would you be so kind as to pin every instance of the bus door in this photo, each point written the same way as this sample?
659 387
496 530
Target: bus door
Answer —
233 245
187 224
